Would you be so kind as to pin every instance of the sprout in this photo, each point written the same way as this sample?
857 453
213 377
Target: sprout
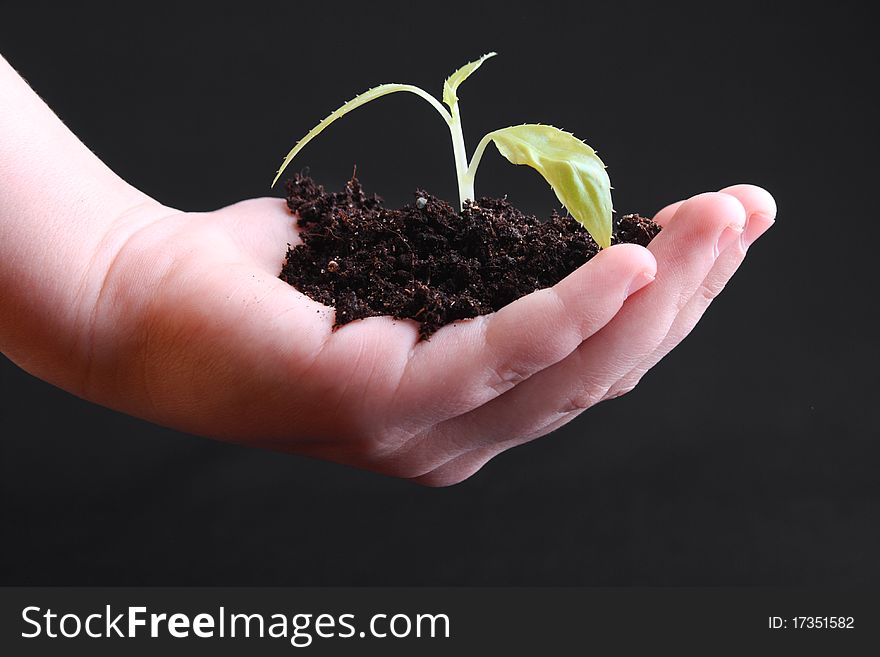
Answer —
574 171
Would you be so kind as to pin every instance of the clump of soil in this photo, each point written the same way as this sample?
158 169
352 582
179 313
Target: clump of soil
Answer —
427 261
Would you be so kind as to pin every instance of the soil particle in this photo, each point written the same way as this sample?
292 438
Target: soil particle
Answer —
427 261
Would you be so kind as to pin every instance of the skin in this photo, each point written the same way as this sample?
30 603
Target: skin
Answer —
180 319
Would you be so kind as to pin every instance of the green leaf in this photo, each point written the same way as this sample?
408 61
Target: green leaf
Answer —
572 168
354 103
451 84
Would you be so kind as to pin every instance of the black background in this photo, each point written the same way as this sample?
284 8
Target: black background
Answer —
748 457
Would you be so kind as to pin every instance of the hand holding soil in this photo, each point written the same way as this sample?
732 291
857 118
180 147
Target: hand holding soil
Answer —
181 319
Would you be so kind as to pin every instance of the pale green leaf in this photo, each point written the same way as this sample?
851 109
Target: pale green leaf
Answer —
451 84
354 103
572 168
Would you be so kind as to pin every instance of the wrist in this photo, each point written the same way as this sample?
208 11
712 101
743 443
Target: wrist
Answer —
63 217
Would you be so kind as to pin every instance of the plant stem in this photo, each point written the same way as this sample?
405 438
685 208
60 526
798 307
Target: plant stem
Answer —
465 183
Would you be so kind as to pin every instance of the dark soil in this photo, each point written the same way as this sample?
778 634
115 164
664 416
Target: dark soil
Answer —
426 261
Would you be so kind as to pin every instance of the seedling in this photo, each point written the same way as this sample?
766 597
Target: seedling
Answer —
574 171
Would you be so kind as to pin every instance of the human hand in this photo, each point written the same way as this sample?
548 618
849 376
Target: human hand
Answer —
180 318
196 332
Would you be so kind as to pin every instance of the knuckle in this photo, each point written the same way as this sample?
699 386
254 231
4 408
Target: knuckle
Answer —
503 378
705 294
439 479
397 454
406 470
711 289
375 445
620 391
369 447
580 401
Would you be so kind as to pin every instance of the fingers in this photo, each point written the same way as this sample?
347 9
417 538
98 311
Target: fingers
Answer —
667 213
685 252
760 211
465 365
261 228
459 468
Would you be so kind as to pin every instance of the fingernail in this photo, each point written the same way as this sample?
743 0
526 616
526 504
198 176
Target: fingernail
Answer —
639 281
728 237
757 225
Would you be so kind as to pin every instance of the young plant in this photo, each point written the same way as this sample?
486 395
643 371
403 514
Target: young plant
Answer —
574 171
